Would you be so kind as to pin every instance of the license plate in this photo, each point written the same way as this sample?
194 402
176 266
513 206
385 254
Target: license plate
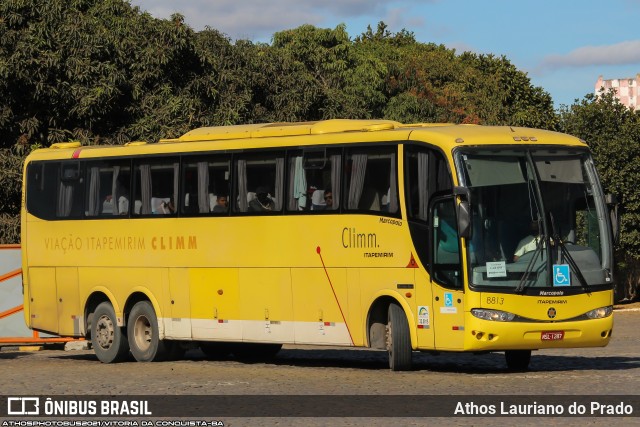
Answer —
552 336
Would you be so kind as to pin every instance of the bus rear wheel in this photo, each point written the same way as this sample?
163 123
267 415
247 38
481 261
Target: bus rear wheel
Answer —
518 360
108 339
144 337
398 339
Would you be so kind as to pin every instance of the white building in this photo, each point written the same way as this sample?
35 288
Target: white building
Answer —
626 90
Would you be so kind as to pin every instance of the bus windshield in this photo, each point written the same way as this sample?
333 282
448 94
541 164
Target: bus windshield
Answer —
538 220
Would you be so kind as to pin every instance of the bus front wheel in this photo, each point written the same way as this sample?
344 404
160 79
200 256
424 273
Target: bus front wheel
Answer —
518 360
108 339
398 339
144 337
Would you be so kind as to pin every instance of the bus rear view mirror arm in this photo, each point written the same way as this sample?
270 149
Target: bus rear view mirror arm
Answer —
463 211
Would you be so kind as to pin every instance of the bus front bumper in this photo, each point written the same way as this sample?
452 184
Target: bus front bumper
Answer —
485 335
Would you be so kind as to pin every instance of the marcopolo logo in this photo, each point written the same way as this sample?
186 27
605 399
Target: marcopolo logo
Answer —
23 406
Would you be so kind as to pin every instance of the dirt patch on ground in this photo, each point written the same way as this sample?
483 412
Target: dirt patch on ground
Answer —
635 304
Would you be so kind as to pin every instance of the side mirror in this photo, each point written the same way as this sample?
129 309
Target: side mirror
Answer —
463 211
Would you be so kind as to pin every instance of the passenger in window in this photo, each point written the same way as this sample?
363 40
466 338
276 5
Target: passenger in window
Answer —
328 199
162 206
168 207
113 205
325 202
384 204
317 200
322 200
222 204
123 205
262 201
107 204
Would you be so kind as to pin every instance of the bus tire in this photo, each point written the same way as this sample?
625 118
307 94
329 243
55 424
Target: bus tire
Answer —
144 337
108 339
518 360
398 339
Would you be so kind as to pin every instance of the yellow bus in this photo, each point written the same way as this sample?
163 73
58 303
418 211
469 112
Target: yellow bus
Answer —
367 233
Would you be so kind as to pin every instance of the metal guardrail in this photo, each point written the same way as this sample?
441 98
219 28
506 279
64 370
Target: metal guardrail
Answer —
35 338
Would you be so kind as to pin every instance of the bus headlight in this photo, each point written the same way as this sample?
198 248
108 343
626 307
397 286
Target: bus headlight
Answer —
495 315
600 313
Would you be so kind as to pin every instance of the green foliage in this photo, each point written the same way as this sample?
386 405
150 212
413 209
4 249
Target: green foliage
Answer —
507 94
103 72
11 160
427 82
324 78
100 71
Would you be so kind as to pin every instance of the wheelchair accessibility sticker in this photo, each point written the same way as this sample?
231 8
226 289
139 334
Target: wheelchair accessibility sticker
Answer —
561 275
448 304
448 299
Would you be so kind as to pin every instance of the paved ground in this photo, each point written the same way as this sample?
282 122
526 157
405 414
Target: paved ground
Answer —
613 370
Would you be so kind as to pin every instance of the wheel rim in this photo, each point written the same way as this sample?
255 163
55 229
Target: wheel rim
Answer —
105 332
142 333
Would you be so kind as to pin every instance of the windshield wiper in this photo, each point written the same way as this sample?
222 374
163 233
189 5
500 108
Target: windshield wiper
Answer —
565 254
524 280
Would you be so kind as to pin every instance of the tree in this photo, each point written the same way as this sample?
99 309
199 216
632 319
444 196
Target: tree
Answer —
103 72
613 134
99 71
332 80
428 82
11 160
509 98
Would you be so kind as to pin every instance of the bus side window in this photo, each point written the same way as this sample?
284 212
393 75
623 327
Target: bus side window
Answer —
205 185
107 189
314 180
41 189
156 186
371 175
426 174
260 183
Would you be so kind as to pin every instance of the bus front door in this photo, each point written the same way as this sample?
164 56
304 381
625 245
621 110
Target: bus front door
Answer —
446 276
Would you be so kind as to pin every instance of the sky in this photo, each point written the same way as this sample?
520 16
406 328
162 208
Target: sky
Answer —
563 45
